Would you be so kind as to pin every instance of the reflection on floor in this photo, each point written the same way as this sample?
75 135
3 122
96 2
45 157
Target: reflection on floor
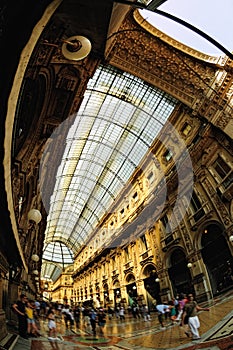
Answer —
216 333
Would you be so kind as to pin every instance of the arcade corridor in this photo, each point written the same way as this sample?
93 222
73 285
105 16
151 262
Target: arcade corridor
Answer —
116 172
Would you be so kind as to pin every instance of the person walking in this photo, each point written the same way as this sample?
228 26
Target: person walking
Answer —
37 307
110 312
77 313
190 311
161 308
146 314
20 308
101 321
86 316
181 301
122 313
172 311
93 319
32 329
52 325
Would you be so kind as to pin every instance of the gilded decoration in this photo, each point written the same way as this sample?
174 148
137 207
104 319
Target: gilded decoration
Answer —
186 237
161 64
221 208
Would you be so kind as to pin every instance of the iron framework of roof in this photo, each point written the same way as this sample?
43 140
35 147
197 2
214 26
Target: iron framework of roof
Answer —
117 122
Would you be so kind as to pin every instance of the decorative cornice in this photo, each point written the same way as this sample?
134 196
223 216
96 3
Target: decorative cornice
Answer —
162 64
130 269
147 260
173 42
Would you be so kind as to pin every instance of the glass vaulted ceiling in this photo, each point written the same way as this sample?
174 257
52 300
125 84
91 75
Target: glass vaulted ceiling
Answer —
117 122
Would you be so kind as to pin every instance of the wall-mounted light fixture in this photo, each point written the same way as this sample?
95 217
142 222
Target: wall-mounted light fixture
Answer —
157 280
189 265
35 258
75 48
34 215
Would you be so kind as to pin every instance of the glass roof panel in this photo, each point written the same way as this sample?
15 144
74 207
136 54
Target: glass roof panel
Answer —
50 270
118 120
58 252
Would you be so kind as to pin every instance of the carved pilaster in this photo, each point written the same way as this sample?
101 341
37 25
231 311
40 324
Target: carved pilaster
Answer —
159 63
187 239
220 207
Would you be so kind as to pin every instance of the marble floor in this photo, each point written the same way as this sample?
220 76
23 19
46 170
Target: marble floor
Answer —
216 333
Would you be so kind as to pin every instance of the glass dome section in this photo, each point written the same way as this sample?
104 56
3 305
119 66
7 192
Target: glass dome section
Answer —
118 120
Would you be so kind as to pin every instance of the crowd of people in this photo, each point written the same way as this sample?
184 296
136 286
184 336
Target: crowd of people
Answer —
182 310
29 313
27 317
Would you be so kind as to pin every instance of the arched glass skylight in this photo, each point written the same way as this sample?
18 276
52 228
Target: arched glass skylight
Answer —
117 122
58 252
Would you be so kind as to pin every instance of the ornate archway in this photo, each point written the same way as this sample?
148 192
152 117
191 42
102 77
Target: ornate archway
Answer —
217 258
106 294
151 286
117 293
131 289
179 273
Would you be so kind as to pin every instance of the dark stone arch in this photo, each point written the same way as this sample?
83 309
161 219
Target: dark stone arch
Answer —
152 286
217 258
179 273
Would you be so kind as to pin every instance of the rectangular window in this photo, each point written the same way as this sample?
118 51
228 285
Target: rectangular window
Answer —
150 178
166 224
224 171
196 207
135 197
168 155
195 202
186 129
126 254
122 212
221 167
113 263
144 242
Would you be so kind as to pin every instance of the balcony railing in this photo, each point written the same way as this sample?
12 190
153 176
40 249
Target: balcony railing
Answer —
199 214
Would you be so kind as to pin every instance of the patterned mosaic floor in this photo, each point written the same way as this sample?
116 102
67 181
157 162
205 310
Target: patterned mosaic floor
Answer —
216 334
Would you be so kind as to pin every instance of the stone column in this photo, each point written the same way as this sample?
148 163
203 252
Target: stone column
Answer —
200 279
165 286
111 297
141 291
124 296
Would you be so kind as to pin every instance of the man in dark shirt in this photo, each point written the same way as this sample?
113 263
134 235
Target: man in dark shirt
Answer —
20 309
190 310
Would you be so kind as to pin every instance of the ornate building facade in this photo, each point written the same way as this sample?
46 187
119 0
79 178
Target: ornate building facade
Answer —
135 252
170 228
